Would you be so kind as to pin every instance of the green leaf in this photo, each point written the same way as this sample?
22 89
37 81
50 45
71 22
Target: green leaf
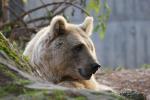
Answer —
97 27
24 1
94 5
101 35
49 14
103 30
97 9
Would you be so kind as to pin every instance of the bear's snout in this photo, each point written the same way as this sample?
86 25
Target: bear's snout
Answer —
87 72
95 67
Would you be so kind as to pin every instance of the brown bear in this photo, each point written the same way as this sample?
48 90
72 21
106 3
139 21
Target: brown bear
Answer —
64 54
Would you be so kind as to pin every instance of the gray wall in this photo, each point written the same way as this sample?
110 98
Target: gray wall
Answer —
127 40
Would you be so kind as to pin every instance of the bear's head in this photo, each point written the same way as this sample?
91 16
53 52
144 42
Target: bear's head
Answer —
66 51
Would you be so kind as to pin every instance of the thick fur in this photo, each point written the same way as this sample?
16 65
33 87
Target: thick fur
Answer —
52 53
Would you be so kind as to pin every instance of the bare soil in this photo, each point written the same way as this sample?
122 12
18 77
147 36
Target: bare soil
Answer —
136 80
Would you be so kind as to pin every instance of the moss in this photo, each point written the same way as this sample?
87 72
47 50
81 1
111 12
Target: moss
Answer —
13 54
80 98
13 76
13 83
118 97
109 94
14 89
4 70
5 46
59 95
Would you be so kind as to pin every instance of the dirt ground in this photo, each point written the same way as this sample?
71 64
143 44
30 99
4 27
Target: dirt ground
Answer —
137 80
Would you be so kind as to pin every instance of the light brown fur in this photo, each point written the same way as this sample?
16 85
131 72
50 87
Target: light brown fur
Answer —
53 52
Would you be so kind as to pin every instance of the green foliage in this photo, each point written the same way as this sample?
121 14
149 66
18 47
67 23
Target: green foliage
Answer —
146 66
49 14
94 5
102 11
24 1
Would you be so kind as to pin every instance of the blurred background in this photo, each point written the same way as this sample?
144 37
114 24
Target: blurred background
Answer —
121 34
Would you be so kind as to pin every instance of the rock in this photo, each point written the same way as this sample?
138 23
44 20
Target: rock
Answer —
133 95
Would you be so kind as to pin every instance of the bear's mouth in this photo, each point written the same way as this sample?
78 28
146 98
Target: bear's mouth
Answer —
85 74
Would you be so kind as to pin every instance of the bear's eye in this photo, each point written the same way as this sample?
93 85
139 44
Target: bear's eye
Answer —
78 47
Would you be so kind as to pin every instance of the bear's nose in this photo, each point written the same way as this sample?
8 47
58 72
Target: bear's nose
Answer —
95 67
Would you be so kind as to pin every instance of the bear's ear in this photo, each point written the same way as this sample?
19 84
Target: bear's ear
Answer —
58 25
87 25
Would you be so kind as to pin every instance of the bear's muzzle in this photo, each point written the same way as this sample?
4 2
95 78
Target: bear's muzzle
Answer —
86 73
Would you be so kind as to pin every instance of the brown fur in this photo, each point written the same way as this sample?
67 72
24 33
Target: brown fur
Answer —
61 49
